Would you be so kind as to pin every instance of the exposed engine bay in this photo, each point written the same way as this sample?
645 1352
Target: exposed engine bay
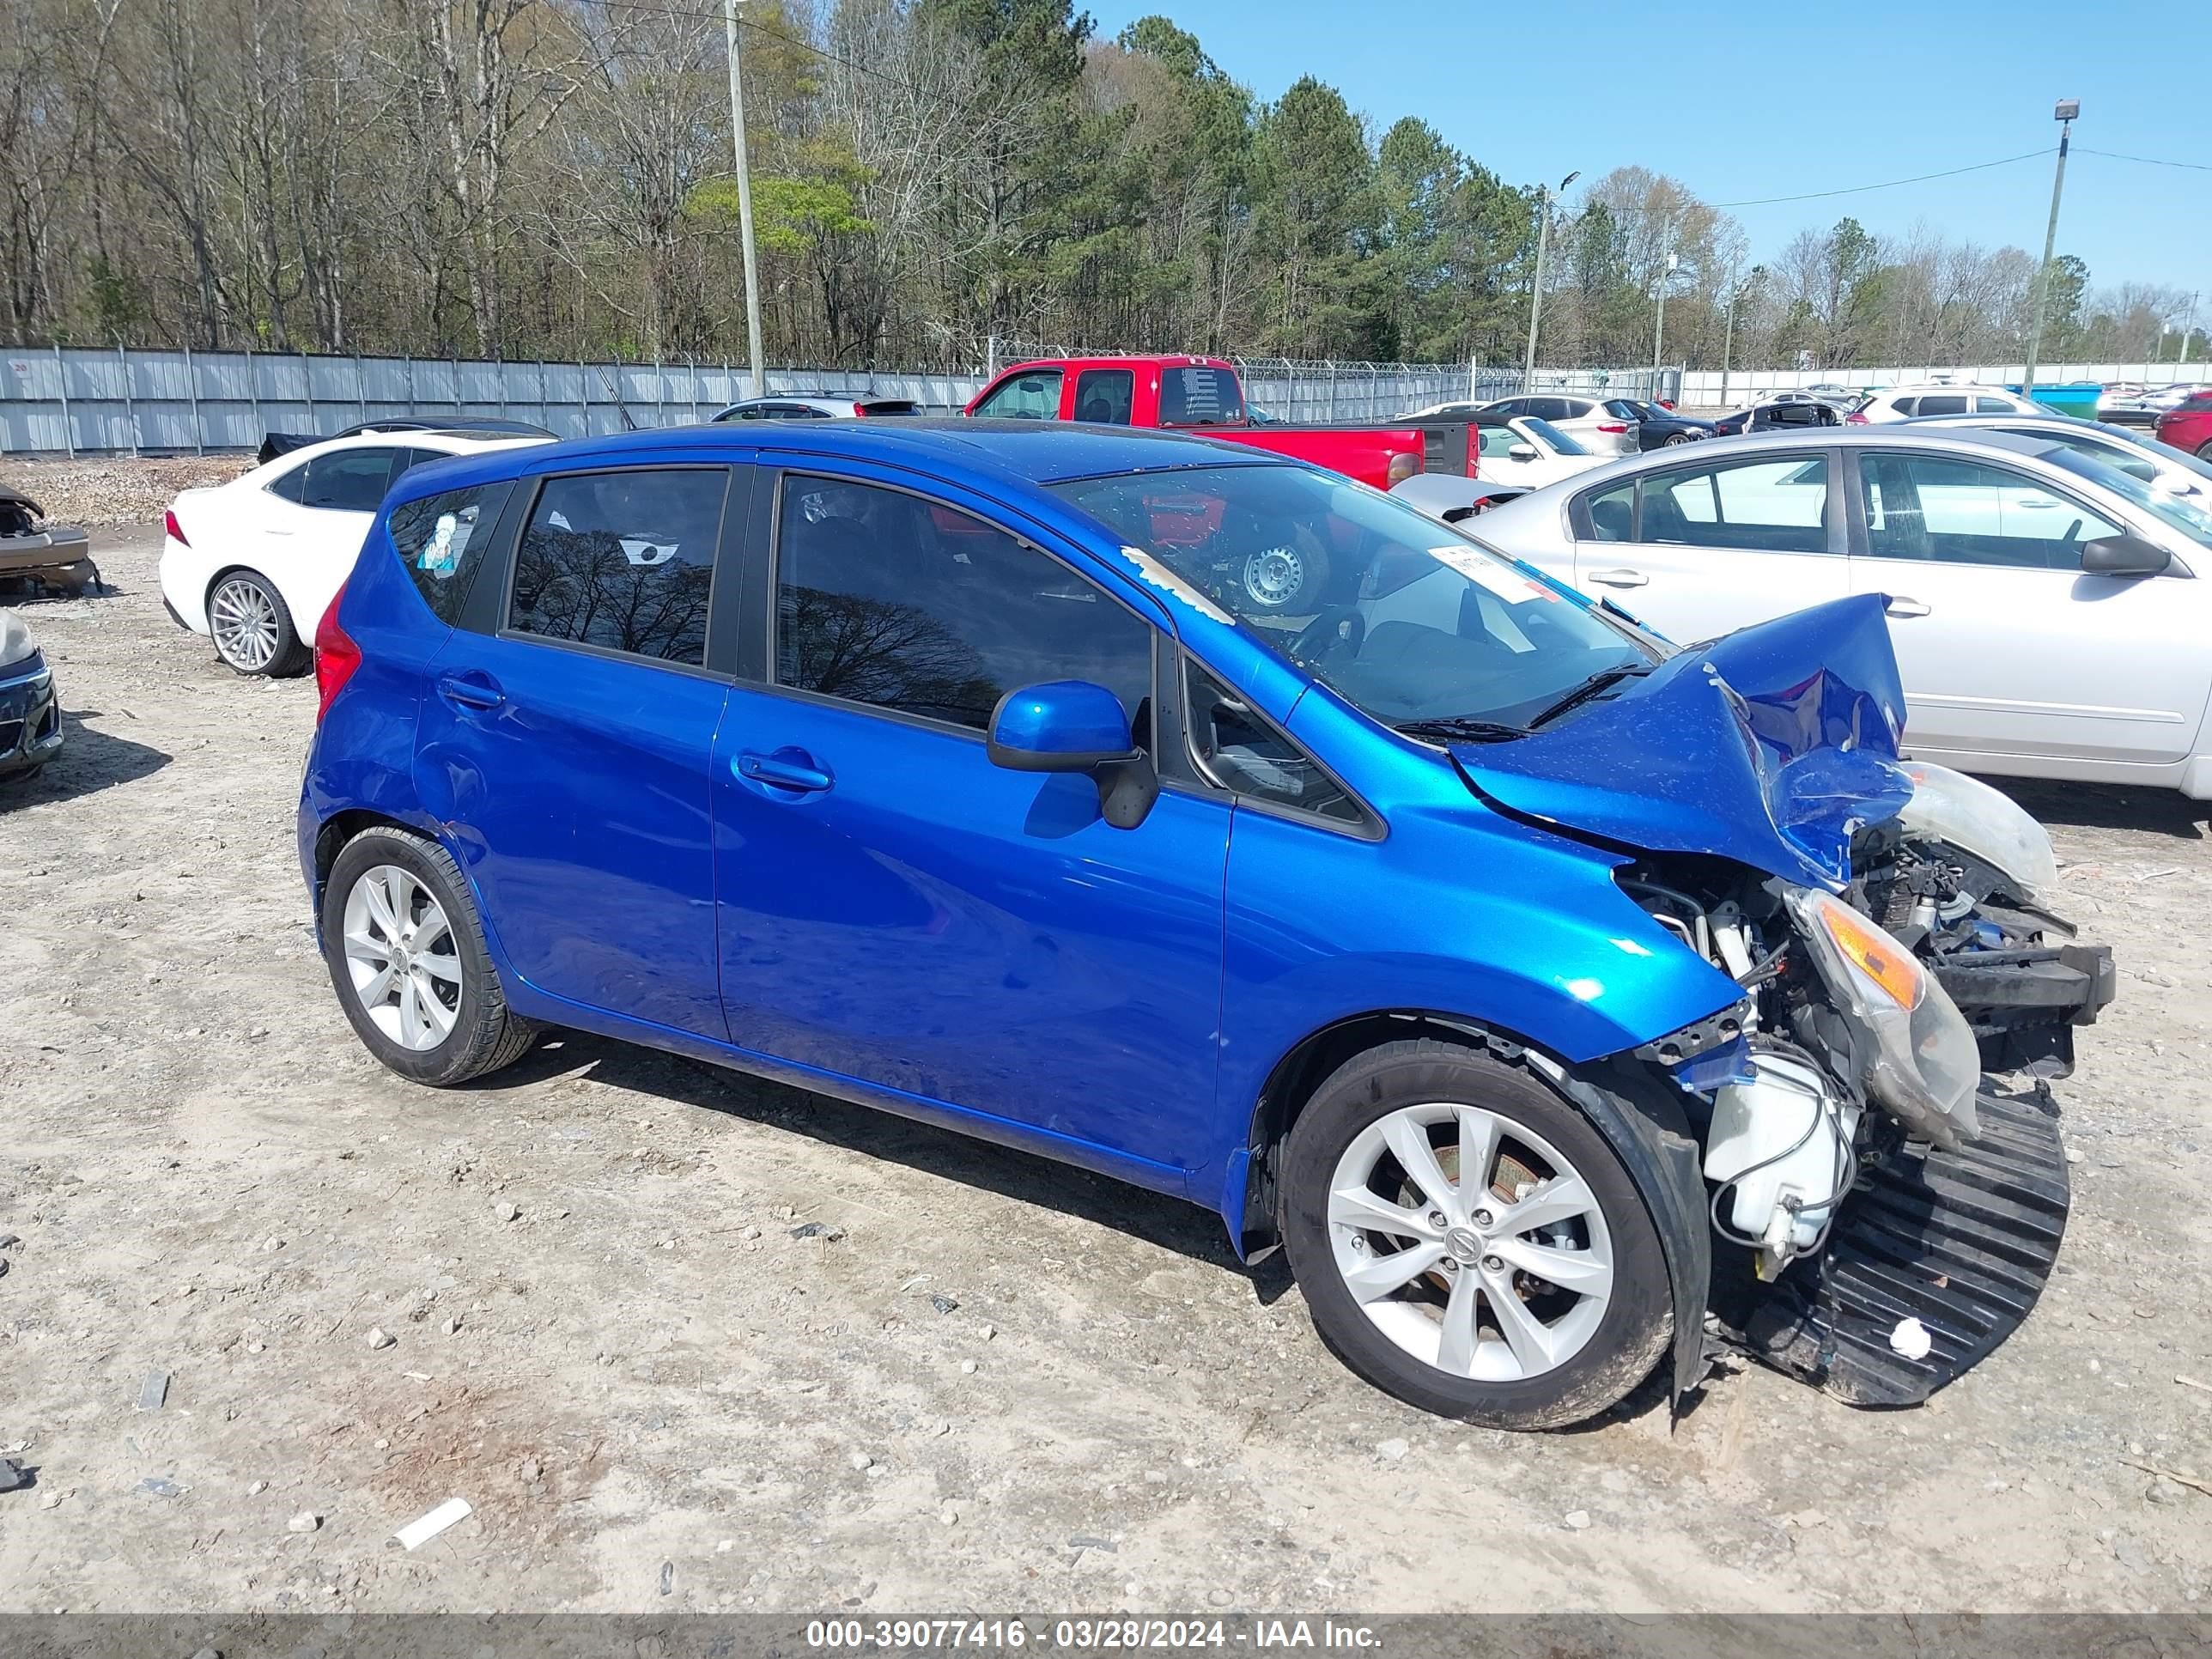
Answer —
1883 1212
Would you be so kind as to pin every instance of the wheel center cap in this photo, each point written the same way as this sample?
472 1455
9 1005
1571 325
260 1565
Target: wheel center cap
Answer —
1464 1243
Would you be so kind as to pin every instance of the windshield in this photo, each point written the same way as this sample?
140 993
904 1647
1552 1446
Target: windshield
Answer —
2178 511
1551 435
2171 456
1401 616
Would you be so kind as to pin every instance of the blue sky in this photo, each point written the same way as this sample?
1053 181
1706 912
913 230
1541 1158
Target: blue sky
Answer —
1744 101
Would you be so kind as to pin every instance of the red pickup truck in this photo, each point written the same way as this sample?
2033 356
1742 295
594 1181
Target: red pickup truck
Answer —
1202 396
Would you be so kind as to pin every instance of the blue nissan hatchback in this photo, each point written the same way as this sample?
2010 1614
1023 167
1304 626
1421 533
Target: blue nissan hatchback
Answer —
1456 936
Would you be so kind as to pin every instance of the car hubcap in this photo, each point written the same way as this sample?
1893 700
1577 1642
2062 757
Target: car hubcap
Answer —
1469 1241
402 957
1274 575
243 620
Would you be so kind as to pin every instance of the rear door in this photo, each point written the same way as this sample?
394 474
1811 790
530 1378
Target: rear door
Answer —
2006 644
567 731
1702 550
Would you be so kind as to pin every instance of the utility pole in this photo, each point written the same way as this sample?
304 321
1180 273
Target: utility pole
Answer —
2067 109
1659 325
756 373
1536 289
2188 323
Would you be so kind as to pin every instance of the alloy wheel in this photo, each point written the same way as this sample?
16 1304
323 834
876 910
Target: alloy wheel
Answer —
402 957
1470 1242
242 618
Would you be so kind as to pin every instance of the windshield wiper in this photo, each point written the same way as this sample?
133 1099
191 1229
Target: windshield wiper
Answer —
1603 679
1464 728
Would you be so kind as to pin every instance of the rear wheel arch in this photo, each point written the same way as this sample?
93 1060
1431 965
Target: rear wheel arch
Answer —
336 831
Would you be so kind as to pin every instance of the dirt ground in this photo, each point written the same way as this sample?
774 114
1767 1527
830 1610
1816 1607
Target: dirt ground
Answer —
610 1343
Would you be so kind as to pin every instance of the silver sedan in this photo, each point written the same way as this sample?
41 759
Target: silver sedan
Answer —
2046 606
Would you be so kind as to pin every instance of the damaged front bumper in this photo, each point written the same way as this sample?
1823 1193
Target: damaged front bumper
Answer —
2023 1005
30 716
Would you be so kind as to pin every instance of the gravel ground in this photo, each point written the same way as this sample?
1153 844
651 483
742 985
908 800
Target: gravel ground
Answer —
991 1382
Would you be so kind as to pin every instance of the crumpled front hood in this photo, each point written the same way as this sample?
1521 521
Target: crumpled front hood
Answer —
1769 746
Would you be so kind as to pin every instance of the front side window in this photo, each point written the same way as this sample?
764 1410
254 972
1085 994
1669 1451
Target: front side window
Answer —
1244 755
1953 512
348 480
440 541
888 599
622 560
1409 620
1775 505
1105 396
1494 443
1198 395
1560 442
1031 395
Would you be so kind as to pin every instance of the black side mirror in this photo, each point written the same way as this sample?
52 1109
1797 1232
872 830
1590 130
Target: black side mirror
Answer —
2124 556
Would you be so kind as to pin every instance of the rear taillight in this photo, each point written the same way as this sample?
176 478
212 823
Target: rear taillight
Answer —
1403 466
1855 419
336 657
172 529
860 411
1614 427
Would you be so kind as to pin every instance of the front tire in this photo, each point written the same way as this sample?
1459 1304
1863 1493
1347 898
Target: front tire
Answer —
252 626
406 954
2204 451
1675 438
1530 1296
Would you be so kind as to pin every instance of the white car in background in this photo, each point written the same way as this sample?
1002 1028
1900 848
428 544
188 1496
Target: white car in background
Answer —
1590 421
1526 452
2050 610
1904 403
253 563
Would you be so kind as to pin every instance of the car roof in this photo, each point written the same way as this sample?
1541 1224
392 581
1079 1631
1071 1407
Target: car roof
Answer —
450 443
959 449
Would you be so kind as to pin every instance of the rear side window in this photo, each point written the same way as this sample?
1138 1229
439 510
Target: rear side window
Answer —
622 560
348 480
1908 406
441 540
1196 395
290 485
1995 406
1943 402
1105 396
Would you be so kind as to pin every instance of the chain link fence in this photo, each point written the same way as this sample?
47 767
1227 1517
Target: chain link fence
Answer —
93 400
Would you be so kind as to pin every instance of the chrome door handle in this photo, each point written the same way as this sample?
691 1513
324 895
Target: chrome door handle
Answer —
1621 578
1900 605
785 769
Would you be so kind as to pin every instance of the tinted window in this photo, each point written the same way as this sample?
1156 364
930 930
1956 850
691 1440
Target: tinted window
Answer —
290 485
1995 406
1558 409
1612 514
1943 403
1244 755
1105 395
1197 396
441 540
622 560
744 412
348 480
1032 395
1963 513
884 598
1765 505
410 458
1908 406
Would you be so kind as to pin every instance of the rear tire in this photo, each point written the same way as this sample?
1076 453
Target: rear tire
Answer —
434 1016
251 628
1486 1338
2204 451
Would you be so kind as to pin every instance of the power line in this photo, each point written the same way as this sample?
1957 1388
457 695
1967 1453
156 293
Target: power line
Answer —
1891 184
2148 161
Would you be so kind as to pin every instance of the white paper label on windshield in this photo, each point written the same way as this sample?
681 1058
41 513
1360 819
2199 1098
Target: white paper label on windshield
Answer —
1508 584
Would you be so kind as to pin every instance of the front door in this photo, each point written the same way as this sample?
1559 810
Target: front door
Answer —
898 911
566 746
2007 647
1703 550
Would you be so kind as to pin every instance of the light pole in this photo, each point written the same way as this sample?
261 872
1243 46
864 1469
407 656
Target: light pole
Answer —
759 387
1728 335
1536 289
2064 114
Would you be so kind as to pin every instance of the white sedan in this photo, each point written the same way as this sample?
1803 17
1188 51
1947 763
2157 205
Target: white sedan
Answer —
2049 612
253 563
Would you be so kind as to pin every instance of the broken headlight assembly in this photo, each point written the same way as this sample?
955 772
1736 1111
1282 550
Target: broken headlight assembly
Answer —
1920 1062
1965 812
